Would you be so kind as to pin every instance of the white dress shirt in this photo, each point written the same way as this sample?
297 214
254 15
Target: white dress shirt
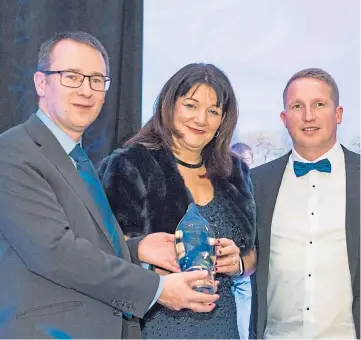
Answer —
309 291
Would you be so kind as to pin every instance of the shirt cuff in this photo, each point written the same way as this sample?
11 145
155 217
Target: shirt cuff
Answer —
160 287
145 265
157 294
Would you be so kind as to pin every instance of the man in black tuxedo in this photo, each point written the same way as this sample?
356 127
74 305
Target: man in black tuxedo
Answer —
307 283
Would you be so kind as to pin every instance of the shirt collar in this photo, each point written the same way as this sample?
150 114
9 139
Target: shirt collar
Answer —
334 155
65 141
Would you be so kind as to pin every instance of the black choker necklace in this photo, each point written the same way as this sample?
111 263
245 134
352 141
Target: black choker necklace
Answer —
187 165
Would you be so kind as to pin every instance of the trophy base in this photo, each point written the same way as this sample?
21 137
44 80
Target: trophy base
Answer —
206 285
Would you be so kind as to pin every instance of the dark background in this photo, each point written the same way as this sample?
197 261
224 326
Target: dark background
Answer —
118 24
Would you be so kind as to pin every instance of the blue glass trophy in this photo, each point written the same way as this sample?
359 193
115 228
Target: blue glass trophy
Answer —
195 245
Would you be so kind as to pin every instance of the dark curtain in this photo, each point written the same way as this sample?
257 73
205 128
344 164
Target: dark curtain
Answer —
24 25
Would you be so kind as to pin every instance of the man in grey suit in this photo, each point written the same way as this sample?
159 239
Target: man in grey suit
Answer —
66 270
307 283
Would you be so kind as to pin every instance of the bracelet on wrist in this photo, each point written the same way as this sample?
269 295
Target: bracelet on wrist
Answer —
241 266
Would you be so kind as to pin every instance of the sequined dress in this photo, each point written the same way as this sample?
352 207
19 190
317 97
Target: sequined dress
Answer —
221 323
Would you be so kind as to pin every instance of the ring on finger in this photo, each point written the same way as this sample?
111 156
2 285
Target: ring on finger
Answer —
234 260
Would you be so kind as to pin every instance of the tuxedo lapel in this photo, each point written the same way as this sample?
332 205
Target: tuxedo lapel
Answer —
352 163
267 184
53 151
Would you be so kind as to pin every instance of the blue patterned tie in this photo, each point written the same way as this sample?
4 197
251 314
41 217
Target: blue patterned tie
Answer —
302 169
87 173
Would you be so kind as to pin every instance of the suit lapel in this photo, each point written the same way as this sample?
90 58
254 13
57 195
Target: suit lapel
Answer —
266 192
352 164
53 151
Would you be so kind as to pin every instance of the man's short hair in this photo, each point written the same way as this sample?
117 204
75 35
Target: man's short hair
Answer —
46 48
315 73
240 148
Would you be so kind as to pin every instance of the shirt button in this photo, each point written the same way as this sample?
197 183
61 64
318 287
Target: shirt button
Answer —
308 308
310 242
309 275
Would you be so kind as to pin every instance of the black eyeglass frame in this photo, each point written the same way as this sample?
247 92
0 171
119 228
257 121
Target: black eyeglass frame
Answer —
107 80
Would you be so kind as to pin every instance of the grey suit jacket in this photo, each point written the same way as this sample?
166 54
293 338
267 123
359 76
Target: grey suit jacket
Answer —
267 181
59 275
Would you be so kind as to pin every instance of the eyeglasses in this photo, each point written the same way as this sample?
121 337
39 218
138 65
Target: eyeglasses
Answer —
75 80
